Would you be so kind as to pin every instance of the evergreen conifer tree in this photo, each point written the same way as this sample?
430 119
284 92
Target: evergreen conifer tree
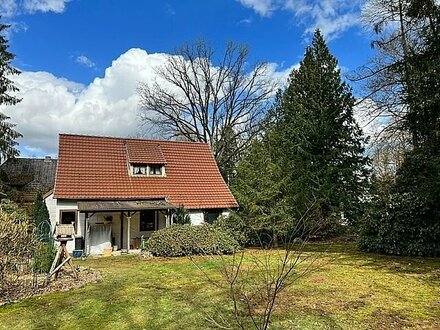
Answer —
7 133
41 218
321 141
260 187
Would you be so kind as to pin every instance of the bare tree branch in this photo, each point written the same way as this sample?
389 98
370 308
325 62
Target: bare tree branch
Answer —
218 103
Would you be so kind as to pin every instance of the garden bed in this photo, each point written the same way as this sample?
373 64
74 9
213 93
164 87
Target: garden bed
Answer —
22 287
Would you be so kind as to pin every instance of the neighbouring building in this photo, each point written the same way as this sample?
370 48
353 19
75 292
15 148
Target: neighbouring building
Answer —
116 190
28 176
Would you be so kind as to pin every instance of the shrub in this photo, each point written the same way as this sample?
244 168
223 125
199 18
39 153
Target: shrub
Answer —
43 257
235 226
17 238
183 240
405 218
181 216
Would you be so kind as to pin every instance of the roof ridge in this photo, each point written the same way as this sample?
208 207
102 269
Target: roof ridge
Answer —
131 138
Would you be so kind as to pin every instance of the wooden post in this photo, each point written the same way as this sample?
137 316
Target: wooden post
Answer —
168 218
86 221
121 243
128 231
87 234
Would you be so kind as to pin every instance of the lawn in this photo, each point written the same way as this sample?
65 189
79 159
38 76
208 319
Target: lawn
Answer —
351 290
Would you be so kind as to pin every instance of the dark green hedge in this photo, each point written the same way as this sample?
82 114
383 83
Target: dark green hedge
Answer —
183 240
404 219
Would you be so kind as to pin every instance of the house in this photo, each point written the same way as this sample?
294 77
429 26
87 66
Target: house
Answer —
116 190
28 176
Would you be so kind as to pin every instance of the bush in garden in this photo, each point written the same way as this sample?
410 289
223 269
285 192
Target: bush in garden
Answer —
405 218
43 257
17 239
181 216
235 226
183 240
45 250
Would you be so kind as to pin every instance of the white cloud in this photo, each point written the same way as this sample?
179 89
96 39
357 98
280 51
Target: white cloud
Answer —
85 61
56 6
107 106
261 7
9 8
371 125
245 21
279 75
170 11
331 16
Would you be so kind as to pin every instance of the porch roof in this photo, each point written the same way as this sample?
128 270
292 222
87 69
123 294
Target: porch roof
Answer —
97 206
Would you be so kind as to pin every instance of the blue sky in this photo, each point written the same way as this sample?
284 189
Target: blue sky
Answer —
82 59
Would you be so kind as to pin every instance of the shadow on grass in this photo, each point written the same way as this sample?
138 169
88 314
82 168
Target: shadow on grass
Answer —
349 254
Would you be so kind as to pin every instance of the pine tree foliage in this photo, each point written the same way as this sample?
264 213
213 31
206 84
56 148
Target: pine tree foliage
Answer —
260 187
42 221
8 135
310 154
322 142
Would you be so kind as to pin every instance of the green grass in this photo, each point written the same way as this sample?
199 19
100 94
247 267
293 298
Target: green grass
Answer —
352 290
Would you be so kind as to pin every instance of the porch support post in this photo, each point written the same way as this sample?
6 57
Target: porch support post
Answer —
121 243
86 235
128 231
168 218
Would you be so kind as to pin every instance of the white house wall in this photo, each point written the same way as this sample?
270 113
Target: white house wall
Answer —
197 217
226 213
51 205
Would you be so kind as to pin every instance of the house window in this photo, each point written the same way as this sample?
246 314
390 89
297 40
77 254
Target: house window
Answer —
212 215
147 221
139 170
67 217
155 170
146 170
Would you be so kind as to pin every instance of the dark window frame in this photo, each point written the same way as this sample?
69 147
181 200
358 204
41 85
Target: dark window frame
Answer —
147 223
210 212
60 219
155 170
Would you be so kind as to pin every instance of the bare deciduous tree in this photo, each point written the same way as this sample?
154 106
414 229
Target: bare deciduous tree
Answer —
205 98
388 77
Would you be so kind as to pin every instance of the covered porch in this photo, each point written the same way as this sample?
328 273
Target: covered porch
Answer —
120 225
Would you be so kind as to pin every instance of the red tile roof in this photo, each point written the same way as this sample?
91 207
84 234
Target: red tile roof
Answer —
91 167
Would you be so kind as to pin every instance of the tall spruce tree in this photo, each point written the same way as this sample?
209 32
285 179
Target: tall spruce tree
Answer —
321 141
8 135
